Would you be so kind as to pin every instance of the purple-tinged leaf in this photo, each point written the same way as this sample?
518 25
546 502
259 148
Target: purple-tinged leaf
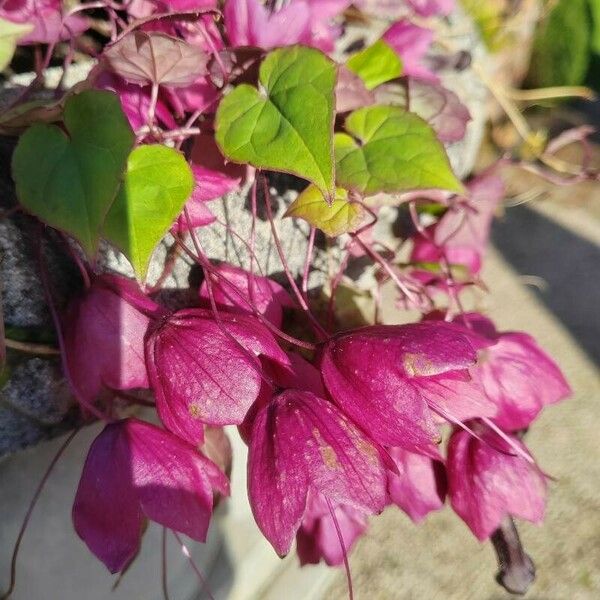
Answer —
156 58
237 291
487 481
134 471
419 486
205 371
318 538
104 337
135 101
301 443
384 376
437 105
351 92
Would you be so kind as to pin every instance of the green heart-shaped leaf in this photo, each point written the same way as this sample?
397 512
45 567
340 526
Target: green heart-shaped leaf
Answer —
288 125
70 181
376 64
157 183
341 216
391 150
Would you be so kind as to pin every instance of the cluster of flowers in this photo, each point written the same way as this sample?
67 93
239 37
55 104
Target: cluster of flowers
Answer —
336 438
338 430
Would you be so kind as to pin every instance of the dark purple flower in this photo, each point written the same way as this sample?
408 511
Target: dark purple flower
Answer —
205 371
104 333
302 444
395 381
488 481
135 471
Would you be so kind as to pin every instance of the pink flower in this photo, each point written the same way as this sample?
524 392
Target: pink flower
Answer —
487 481
104 337
302 444
249 23
135 471
419 486
318 538
236 290
411 43
431 8
462 232
516 374
46 18
214 177
205 371
395 381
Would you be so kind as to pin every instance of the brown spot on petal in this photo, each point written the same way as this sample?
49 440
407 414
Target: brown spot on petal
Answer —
417 365
327 452
367 449
195 412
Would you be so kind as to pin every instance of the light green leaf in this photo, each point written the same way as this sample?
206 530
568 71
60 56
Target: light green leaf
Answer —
70 181
390 150
9 36
376 64
288 125
157 183
341 216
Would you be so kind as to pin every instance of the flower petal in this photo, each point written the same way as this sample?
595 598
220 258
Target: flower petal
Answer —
204 371
301 442
487 481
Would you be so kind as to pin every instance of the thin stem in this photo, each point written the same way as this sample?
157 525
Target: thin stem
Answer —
387 268
550 93
40 349
344 551
163 565
32 505
59 334
319 330
205 264
152 108
185 551
308 261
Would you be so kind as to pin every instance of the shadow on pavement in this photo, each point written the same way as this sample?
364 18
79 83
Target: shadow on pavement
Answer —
569 264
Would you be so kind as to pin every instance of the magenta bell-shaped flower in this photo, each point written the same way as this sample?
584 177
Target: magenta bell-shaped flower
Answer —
516 374
419 486
318 538
207 371
302 444
397 381
488 481
135 471
238 291
104 333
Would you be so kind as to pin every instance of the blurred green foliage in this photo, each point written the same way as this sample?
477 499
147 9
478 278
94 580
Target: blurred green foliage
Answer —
563 45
